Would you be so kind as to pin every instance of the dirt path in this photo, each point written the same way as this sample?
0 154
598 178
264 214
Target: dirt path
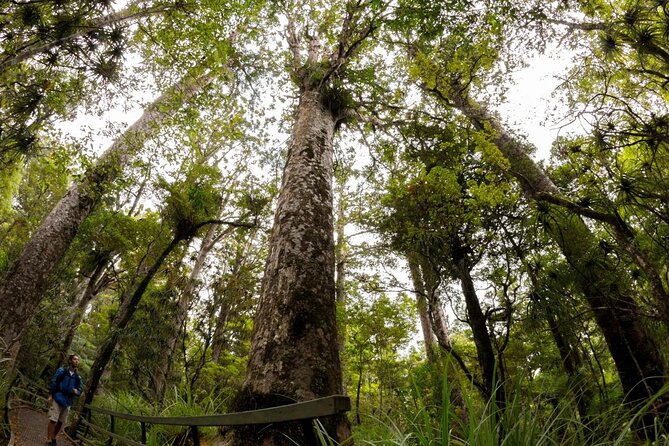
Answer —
29 428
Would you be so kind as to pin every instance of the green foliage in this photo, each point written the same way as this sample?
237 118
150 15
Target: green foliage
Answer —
177 404
522 422
46 65
192 201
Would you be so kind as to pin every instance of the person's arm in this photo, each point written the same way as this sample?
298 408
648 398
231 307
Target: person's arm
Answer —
78 385
54 381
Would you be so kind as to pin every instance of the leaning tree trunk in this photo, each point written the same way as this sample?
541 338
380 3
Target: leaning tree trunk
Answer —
608 294
124 315
477 321
29 276
163 365
92 289
294 355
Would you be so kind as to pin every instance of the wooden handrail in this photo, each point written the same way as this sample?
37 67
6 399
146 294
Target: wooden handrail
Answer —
321 407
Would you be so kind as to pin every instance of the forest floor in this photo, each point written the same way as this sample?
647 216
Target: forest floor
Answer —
29 428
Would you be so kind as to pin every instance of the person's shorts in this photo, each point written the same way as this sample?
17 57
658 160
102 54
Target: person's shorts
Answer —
58 412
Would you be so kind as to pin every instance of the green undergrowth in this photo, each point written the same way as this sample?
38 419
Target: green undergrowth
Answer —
422 422
176 404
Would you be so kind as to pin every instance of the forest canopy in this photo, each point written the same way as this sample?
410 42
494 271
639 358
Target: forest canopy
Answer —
230 205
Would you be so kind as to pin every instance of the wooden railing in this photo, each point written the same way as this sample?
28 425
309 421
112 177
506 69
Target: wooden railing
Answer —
305 412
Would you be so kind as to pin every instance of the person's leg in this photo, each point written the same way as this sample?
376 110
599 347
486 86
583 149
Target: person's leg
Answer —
62 418
50 431
54 416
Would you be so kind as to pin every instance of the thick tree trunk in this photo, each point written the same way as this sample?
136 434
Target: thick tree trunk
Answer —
24 288
294 355
608 294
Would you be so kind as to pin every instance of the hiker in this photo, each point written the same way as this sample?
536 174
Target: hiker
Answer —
65 385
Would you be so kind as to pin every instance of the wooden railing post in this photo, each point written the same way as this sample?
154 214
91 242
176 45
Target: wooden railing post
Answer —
143 425
196 435
89 414
111 429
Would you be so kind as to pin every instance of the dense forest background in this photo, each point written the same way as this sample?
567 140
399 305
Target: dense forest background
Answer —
321 197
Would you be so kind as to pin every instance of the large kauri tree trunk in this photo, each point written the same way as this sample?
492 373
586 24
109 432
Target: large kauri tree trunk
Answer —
294 354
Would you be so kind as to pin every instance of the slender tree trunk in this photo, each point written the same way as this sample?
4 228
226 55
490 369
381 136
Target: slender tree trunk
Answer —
163 366
569 354
124 315
572 362
294 354
218 339
80 306
429 338
24 287
227 304
428 285
477 322
340 285
608 294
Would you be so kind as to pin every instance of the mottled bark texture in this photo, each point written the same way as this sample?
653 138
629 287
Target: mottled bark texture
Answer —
294 354
607 290
28 278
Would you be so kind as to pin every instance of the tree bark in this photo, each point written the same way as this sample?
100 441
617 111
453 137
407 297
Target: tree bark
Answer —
625 238
294 354
29 276
229 304
80 306
608 294
340 285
